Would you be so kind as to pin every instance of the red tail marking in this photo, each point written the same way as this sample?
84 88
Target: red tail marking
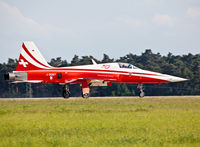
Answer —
26 50
24 65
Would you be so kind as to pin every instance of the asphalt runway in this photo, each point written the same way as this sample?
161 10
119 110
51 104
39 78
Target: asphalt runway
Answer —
134 97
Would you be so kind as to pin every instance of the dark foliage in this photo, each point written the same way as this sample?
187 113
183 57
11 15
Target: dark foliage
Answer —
186 66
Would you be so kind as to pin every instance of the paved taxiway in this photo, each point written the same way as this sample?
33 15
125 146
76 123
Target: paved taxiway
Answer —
46 98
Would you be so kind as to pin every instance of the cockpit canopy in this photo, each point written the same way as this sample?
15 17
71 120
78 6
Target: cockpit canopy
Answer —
127 65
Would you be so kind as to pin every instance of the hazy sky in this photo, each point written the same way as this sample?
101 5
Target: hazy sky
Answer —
63 28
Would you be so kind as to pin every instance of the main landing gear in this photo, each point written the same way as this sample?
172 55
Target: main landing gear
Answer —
65 91
85 90
141 94
85 95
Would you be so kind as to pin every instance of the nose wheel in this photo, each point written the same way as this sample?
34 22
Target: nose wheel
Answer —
65 91
141 94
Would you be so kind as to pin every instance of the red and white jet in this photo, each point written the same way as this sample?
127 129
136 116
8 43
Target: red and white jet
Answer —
33 68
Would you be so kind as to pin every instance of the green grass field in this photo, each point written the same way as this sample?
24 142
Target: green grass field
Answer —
101 122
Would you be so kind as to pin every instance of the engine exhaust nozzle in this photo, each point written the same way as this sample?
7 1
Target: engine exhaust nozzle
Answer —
9 76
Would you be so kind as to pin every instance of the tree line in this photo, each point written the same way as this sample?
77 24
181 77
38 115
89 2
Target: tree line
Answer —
185 66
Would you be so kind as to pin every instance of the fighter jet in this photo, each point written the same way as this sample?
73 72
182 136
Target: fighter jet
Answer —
33 68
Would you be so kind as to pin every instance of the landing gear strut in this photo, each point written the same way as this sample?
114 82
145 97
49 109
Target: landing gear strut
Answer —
65 91
141 94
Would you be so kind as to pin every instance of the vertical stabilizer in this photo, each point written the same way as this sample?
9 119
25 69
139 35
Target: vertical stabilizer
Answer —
30 58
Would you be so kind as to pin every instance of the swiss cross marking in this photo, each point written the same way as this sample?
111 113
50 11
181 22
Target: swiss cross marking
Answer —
23 63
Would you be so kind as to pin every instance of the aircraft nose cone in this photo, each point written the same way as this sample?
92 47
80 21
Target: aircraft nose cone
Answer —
176 79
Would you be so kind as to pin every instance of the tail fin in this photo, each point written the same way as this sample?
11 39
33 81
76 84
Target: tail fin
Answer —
30 58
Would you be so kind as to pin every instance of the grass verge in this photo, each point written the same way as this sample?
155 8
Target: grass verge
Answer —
101 122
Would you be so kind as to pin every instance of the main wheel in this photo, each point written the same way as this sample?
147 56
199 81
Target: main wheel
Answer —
142 94
86 95
66 94
65 91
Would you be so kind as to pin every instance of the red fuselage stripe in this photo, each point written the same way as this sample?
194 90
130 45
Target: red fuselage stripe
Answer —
98 70
125 77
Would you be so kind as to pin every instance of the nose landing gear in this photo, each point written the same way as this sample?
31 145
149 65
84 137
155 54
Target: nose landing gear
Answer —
141 94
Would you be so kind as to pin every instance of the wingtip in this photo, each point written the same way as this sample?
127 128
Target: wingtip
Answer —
94 62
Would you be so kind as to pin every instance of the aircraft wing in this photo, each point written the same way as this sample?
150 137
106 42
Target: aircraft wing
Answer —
101 82
93 82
